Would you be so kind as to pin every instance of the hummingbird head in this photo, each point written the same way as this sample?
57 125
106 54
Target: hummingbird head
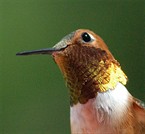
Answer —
86 63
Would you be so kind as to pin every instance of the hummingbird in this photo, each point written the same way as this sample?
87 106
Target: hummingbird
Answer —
99 101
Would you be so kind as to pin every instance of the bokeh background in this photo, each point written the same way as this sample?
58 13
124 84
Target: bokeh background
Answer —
33 96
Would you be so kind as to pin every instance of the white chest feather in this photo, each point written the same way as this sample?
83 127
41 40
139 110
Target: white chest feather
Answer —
98 115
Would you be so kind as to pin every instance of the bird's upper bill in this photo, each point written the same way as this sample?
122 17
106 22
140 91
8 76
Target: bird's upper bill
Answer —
58 47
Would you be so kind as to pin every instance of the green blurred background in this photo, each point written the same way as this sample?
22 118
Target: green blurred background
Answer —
33 96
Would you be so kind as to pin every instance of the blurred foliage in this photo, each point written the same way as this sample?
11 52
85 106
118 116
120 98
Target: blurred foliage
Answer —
33 96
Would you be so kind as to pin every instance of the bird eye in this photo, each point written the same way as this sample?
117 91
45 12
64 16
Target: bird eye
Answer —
86 37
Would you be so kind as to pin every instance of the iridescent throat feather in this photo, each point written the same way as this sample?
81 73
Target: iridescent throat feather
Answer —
88 70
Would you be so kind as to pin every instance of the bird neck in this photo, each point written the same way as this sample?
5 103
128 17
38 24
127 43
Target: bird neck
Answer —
88 71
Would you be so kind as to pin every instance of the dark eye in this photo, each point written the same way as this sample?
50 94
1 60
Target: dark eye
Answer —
86 37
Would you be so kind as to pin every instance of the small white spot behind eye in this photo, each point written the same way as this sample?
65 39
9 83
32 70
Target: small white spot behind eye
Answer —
92 37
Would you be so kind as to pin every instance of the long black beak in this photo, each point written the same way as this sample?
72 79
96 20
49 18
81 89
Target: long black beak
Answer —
40 51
